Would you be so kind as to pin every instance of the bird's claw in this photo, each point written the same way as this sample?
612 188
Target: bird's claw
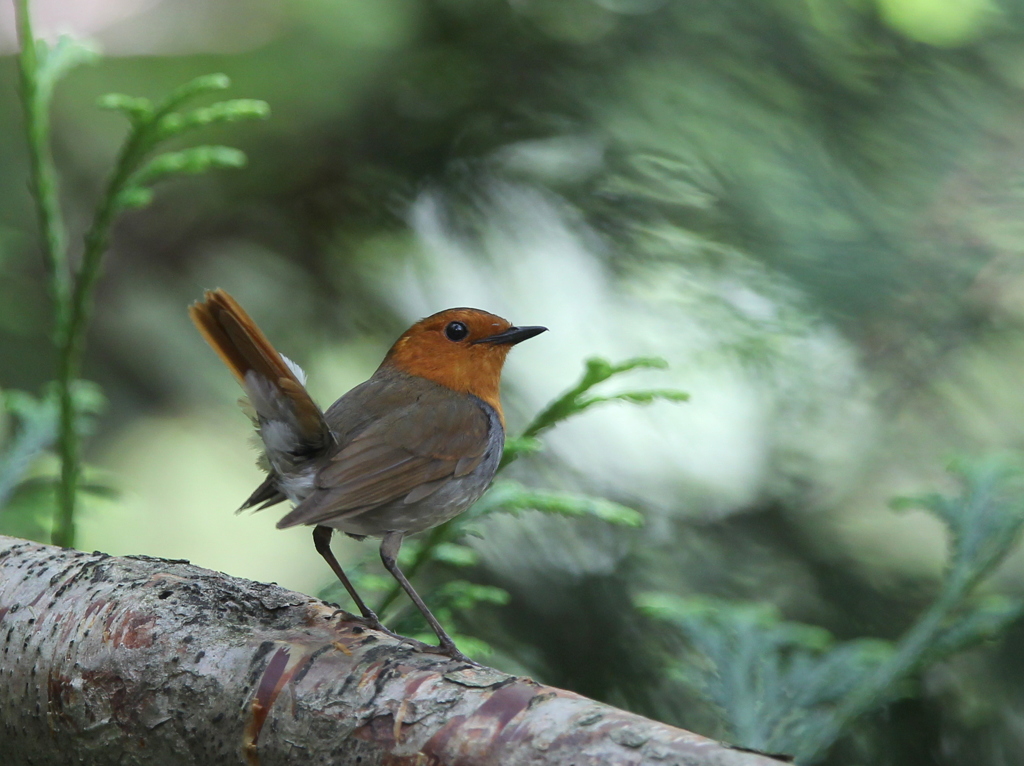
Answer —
450 650
418 645
372 622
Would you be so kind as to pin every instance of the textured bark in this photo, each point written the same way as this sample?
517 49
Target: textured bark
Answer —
137 660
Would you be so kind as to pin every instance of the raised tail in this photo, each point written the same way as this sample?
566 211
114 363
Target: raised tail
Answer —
290 422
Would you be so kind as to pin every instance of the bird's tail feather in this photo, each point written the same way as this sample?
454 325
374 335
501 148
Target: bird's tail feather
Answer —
233 334
266 495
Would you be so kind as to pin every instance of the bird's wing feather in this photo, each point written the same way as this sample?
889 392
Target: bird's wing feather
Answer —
395 456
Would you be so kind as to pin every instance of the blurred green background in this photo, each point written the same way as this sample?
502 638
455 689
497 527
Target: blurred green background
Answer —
811 208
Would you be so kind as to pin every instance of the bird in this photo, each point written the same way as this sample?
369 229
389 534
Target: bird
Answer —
410 448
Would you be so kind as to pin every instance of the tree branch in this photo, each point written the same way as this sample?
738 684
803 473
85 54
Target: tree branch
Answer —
138 660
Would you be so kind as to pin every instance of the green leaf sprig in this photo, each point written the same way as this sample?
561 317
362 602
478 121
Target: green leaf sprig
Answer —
786 687
139 165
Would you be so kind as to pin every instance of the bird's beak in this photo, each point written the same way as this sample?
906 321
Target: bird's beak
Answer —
512 335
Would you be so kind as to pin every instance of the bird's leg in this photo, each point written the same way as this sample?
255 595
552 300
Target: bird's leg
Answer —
322 541
389 548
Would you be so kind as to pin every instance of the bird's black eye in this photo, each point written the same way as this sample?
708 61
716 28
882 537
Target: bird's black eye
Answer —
456 331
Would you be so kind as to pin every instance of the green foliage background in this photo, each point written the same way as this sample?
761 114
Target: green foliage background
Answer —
810 209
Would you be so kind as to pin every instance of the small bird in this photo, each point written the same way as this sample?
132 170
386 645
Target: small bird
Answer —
412 447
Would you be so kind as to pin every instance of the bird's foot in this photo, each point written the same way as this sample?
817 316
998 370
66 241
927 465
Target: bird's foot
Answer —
369 620
372 622
449 649
344 614
418 645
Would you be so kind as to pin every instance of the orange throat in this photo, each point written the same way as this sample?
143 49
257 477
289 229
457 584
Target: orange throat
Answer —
472 370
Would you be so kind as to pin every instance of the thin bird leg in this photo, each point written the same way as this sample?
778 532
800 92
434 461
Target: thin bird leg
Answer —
389 548
322 541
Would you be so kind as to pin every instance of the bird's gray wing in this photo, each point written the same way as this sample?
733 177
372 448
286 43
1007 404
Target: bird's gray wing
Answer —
407 452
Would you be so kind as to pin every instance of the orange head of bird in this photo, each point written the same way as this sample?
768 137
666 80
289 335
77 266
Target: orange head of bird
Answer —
462 349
